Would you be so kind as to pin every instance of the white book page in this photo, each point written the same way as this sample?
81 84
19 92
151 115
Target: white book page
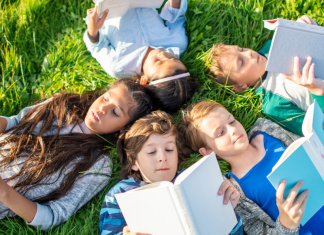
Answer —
207 208
150 211
146 3
313 153
117 8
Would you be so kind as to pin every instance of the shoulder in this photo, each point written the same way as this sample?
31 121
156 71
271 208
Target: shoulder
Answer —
123 186
257 138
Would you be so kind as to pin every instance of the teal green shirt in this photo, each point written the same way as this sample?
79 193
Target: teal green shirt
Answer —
284 101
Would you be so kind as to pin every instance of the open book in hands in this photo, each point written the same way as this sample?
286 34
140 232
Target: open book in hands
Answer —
292 39
190 206
118 8
304 160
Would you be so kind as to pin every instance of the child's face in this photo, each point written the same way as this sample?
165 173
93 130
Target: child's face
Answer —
161 63
245 65
158 158
109 112
223 134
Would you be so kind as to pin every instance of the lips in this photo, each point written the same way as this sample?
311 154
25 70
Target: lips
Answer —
95 115
239 138
163 169
258 58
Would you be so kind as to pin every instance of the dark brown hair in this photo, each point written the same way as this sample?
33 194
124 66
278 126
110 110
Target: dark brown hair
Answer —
43 156
171 95
130 143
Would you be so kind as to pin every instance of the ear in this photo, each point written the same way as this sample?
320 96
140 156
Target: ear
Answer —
239 88
204 151
143 80
135 166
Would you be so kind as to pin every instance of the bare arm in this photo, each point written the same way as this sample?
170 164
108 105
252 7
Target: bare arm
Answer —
20 205
175 3
3 124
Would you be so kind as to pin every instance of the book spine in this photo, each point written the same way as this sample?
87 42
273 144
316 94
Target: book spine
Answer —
300 26
183 208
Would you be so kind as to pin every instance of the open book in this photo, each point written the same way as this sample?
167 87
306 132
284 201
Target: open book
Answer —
118 8
292 39
304 160
190 206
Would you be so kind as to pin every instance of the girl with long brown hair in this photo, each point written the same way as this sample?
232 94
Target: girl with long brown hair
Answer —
149 152
46 147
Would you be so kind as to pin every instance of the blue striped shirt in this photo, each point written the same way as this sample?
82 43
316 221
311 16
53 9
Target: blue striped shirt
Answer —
111 218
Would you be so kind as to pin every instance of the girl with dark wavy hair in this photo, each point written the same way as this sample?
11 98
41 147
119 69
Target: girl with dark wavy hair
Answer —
46 147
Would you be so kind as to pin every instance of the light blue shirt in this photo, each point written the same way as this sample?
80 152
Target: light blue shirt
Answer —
123 42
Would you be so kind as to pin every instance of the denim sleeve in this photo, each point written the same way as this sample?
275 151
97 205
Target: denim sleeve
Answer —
102 51
174 18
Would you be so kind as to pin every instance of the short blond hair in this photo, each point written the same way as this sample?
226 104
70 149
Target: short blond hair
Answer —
215 67
191 121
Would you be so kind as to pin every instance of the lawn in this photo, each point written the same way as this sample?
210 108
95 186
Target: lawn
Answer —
42 52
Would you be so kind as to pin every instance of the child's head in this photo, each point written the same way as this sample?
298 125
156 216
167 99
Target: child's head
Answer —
207 126
152 149
241 67
171 95
122 104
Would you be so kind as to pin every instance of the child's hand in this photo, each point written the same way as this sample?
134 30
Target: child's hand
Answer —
307 79
230 193
126 231
95 23
307 20
290 211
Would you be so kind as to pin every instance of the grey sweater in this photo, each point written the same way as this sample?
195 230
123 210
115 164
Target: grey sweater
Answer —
55 212
255 220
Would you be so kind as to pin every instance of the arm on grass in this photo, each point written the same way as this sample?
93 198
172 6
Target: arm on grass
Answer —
55 212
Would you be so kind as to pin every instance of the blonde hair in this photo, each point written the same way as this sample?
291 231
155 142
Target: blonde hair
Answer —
191 121
130 143
215 68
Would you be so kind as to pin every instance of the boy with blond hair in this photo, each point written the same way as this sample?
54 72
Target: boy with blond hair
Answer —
285 99
208 127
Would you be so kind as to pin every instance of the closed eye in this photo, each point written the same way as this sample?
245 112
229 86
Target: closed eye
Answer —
219 135
114 112
169 150
232 122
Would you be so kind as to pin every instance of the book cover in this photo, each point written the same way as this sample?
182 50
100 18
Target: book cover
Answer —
154 208
292 39
118 8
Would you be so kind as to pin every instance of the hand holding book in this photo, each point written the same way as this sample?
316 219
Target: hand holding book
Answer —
291 211
306 78
95 23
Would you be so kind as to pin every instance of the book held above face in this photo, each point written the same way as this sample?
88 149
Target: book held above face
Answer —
189 206
293 39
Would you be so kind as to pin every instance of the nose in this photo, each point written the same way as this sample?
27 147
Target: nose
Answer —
162 157
105 107
232 130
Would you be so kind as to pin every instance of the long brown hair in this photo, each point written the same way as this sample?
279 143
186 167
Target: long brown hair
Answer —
43 156
130 143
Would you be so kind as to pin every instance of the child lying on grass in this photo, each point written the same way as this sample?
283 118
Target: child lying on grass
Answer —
209 127
285 98
141 44
150 151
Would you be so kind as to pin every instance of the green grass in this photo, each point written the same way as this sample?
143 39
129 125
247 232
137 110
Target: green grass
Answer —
42 52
